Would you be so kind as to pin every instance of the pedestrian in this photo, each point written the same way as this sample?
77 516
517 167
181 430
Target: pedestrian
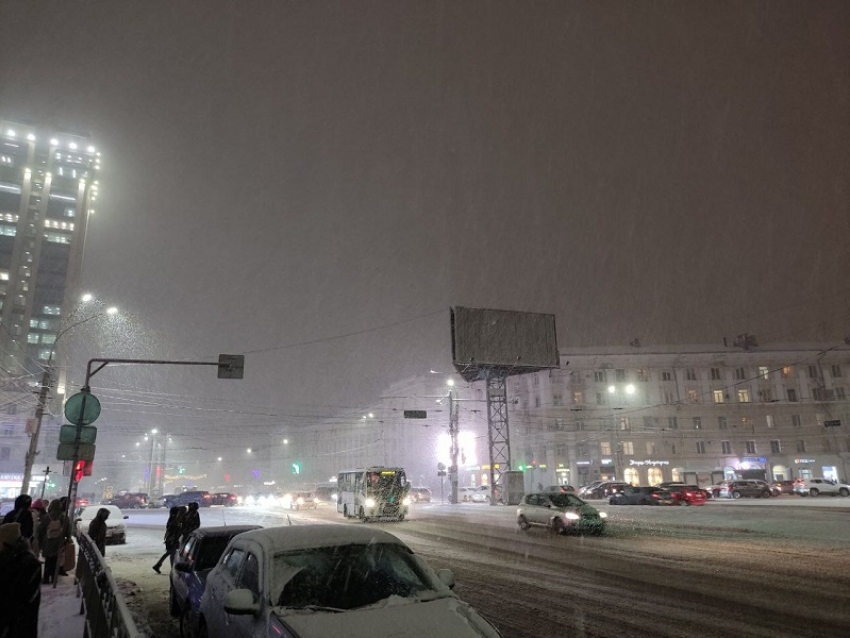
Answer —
55 531
39 513
97 530
21 514
173 530
191 522
20 592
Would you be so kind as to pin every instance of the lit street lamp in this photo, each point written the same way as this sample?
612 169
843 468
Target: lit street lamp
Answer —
47 381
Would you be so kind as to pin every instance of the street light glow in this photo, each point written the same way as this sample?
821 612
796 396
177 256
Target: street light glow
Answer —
111 310
87 297
219 458
612 389
450 382
630 389
154 431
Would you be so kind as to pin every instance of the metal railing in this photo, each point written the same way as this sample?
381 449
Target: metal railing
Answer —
107 615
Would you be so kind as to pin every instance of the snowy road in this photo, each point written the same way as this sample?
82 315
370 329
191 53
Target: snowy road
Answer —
771 568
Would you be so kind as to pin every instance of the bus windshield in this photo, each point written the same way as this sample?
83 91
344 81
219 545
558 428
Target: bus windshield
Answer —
383 480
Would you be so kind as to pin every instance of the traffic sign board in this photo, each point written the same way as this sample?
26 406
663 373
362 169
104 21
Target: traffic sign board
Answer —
231 366
66 452
415 414
68 433
82 409
832 424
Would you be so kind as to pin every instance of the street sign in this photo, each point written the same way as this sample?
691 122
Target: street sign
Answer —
68 433
231 366
832 424
66 452
83 408
415 414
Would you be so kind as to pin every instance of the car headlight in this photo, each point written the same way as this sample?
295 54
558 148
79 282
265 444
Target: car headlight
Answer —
370 502
405 500
603 515
572 516
316 499
300 500
249 500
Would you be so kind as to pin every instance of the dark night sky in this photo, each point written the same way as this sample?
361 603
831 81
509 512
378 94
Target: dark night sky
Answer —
283 172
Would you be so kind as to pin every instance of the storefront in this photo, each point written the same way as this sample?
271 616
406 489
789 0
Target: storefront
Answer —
646 472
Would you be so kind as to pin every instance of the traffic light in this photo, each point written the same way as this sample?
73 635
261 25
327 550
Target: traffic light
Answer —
296 468
81 469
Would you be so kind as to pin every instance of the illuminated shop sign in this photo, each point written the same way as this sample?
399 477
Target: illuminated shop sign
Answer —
800 461
648 462
753 459
582 462
605 461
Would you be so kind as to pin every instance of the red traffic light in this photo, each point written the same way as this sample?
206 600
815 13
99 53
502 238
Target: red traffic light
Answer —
81 469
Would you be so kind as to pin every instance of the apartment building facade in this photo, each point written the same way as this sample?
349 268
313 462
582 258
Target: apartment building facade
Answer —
698 414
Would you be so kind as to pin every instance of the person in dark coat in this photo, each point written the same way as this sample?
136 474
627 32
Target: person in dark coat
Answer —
21 514
39 515
173 530
20 588
55 530
191 522
97 530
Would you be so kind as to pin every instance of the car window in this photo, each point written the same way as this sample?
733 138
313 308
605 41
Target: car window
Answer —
249 578
210 550
186 550
233 562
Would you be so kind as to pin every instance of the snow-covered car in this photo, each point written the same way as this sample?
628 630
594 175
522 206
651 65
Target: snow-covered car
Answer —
818 486
301 500
193 561
481 494
116 528
331 580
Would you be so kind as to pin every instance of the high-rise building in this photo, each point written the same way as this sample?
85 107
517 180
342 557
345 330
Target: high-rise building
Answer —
48 189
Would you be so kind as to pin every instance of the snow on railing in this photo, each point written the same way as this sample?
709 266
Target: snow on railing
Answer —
107 615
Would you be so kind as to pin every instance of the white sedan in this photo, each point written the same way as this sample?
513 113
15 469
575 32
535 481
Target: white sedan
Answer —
331 580
116 529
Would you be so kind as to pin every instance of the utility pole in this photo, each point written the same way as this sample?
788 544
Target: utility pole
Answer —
454 449
39 415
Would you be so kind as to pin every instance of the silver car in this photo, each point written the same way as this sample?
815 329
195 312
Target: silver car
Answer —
560 513
331 580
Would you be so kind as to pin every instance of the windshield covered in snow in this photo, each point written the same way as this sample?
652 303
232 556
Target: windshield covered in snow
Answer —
347 577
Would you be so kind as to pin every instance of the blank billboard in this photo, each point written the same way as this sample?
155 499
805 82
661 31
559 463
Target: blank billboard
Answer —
505 339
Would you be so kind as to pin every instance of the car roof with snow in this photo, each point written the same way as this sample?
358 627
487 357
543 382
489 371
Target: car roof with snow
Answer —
294 537
224 530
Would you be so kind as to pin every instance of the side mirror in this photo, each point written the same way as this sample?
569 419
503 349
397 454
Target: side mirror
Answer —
446 577
240 602
183 566
126 517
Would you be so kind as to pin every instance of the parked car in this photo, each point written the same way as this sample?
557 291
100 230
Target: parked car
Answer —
228 499
464 494
818 486
584 489
782 487
331 580
560 488
201 497
706 491
301 500
193 561
605 490
632 495
745 487
129 500
561 513
160 501
420 494
116 528
687 495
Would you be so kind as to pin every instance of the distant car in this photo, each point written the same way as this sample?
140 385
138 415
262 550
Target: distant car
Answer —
228 499
744 487
687 494
561 488
464 494
481 494
303 500
632 495
560 513
584 489
605 490
81 502
303 580
116 528
201 497
782 487
193 561
818 486
130 500
326 494
420 494
160 501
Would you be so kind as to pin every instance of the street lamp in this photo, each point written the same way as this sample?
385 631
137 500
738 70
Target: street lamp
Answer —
47 382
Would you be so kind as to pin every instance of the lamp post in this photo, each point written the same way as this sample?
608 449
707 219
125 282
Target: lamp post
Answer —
47 382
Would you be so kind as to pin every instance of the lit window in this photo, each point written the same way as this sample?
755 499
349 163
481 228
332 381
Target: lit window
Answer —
718 396
743 395
764 372
32 338
605 448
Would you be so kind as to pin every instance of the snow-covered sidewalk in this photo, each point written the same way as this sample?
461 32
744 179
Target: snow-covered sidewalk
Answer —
59 615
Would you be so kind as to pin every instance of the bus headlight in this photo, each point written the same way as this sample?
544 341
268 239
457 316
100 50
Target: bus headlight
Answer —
370 502
405 500
300 500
